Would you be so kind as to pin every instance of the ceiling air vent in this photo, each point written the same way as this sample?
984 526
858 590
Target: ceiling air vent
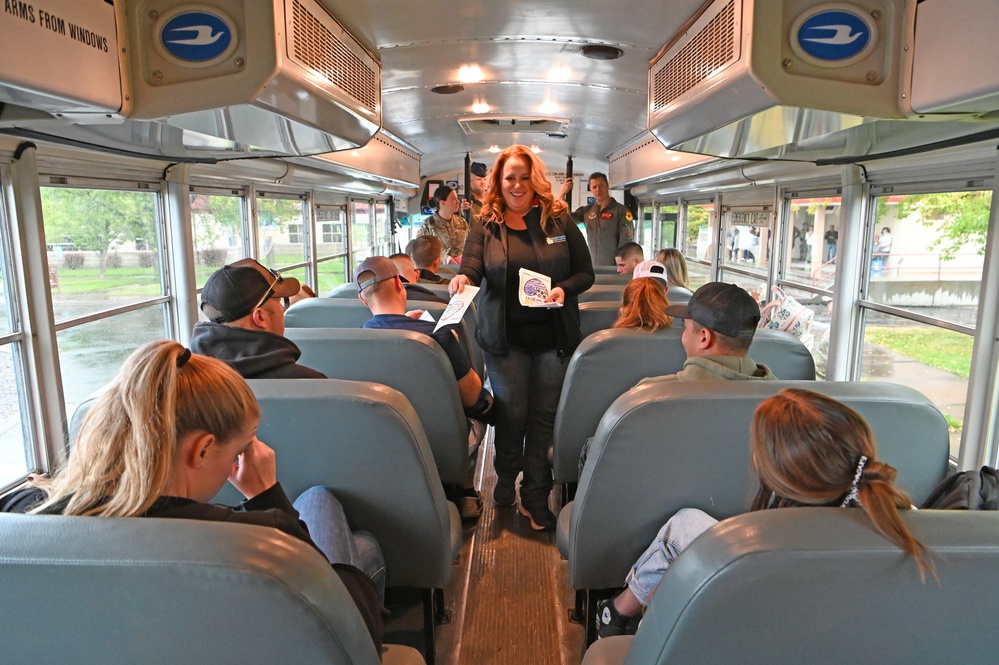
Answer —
508 125
316 45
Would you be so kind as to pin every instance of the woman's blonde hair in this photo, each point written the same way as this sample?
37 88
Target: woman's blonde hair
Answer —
494 206
809 449
644 307
676 266
125 452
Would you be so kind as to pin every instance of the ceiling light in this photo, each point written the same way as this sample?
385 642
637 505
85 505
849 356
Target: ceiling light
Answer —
550 106
559 74
469 74
480 107
494 148
601 52
535 149
447 89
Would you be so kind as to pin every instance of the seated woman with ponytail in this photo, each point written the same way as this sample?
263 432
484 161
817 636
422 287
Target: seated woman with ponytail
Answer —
163 439
807 450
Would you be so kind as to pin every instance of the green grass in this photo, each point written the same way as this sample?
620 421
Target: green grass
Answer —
133 281
953 424
938 348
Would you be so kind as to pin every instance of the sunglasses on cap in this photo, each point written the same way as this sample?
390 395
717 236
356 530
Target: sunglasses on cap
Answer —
270 290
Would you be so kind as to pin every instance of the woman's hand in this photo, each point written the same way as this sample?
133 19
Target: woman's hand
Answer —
566 186
465 205
255 470
556 295
458 284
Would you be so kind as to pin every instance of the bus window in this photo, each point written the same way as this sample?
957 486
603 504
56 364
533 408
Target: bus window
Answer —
667 226
109 292
105 249
925 262
331 247
362 234
91 353
810 245
14 435
746 245
217 221
281 231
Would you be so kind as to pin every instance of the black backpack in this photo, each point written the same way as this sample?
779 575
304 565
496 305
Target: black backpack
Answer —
966 490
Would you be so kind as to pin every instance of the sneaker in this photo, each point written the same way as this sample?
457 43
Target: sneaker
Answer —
542 519
505 492
610 622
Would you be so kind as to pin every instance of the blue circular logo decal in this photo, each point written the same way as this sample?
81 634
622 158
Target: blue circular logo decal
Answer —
196 36
834 35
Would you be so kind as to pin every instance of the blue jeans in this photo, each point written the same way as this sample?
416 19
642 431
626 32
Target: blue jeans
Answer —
675 536
329 529
526 387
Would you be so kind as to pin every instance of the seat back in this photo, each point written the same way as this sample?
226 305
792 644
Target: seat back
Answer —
365 442
610 362
343 312
93 590
611 292
346 290
616 278
412 363
597 315
820 586
667 446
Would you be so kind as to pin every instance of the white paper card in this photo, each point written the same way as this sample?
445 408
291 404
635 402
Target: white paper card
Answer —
456 308
534 288
427 316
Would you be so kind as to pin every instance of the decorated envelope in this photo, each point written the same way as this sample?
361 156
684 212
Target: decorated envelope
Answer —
534 288
456 308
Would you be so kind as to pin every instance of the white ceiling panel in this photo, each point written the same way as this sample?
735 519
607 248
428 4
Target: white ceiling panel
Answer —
517 47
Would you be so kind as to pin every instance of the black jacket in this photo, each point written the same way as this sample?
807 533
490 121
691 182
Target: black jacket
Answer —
561 254
255 354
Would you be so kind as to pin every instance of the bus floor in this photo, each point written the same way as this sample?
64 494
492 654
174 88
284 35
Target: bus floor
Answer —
509 596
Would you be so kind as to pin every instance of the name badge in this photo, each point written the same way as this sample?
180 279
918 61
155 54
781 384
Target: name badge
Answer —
554 239
606 215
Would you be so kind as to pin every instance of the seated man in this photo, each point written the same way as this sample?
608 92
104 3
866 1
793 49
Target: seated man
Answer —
409 276
719 323
381 289
426 254
627 257
245 326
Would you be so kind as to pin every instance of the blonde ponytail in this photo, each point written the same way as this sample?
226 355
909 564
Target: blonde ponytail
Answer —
125 453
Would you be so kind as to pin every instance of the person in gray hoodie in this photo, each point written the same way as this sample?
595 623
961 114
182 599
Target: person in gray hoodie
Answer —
244 304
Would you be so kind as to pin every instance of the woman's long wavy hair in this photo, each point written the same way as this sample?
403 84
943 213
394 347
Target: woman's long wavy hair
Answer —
806 449
494 206
676 267
125 452
644 305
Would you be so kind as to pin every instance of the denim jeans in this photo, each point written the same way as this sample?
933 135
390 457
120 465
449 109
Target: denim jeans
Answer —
323 514
673 538
526 386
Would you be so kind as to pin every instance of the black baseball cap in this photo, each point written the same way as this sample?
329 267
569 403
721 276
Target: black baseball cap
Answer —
724 308
478 169
233 291
381 267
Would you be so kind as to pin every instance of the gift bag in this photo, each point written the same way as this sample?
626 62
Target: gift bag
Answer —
786 314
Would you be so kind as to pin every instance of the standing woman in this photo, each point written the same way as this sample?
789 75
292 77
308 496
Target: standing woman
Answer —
446 224
527 349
